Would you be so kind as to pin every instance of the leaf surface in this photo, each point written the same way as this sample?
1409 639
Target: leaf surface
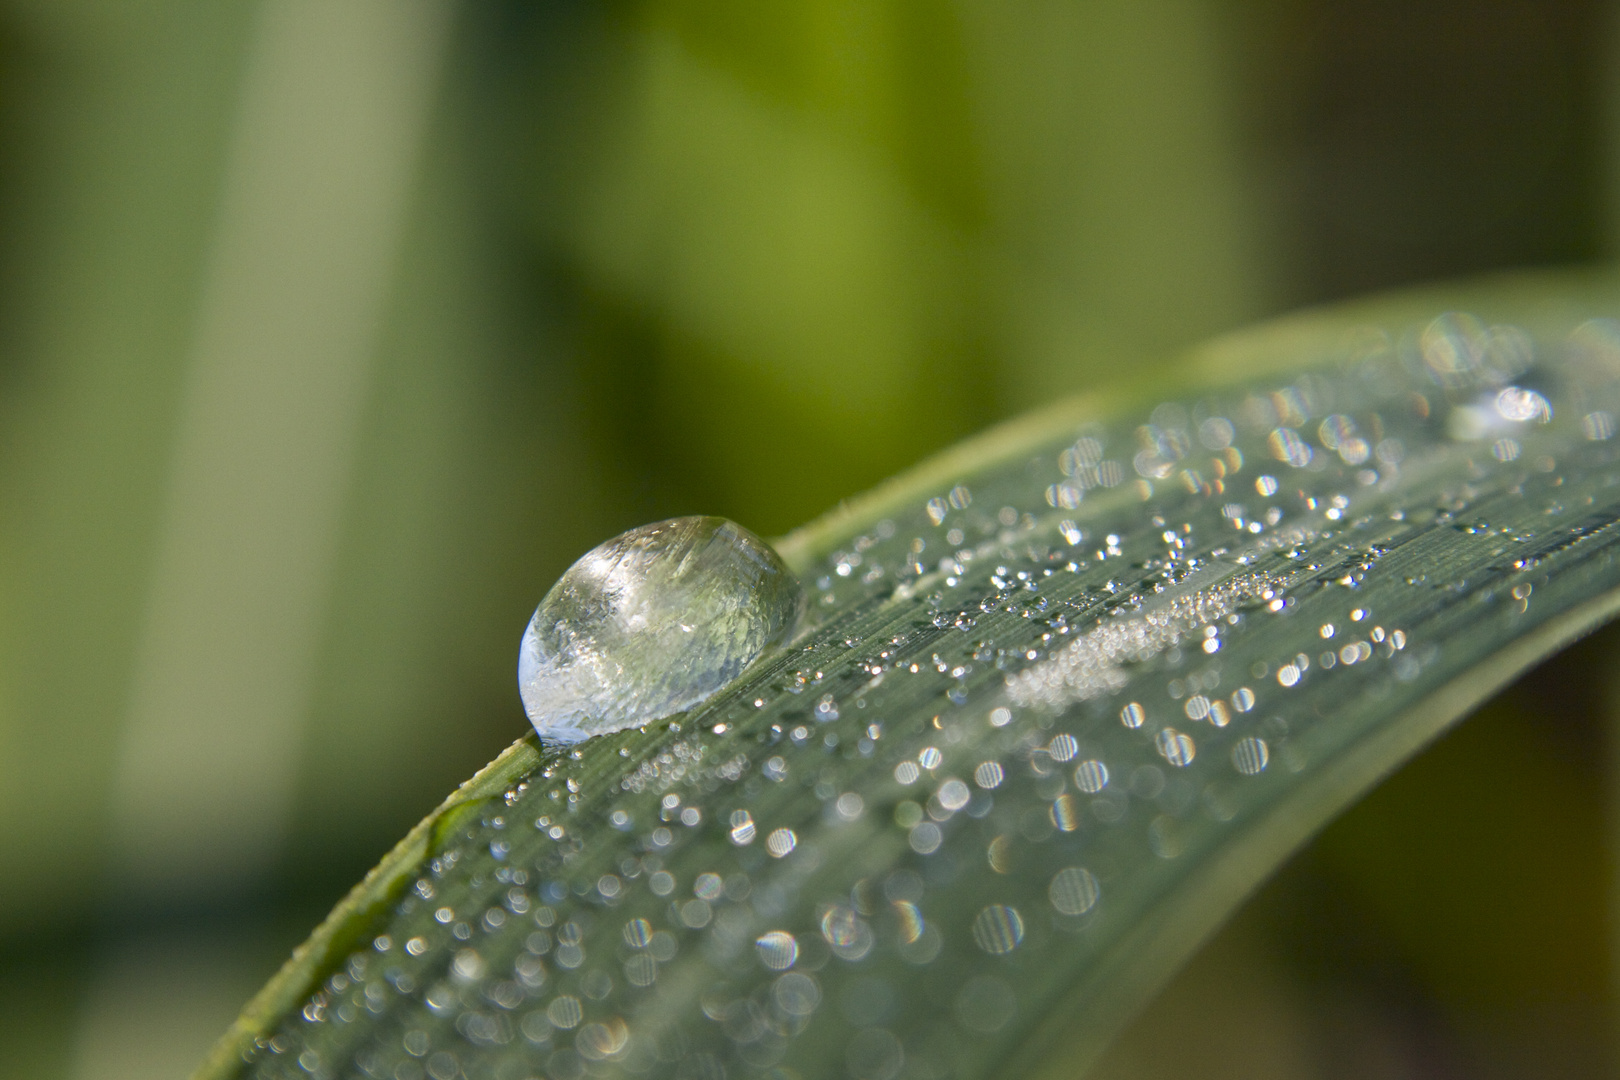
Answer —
1064 695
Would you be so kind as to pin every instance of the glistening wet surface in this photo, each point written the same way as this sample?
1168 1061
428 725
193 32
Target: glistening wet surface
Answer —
1021 714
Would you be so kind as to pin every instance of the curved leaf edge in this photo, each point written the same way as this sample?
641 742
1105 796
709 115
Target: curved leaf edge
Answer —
1170 934
343 927
1262 349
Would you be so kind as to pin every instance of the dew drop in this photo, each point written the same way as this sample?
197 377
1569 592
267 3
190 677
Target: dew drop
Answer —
1073 891
565 1012
1091 776
1175 747
874 1054
1064 814
1286 446
650 624
998 929
1598 426
1216 433
777 950
1250 755
909 921
848 935
925 838
1336 430
985 1004
1063 497
953 795
1520 405
796 994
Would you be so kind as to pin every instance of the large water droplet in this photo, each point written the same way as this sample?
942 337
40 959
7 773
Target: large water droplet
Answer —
650 624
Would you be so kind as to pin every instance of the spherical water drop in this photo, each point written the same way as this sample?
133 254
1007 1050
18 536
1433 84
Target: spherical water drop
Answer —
1520 405
1250 755
1176 748
998 929
1074 891
1091 776
650 624
1286 445
777 950
989 775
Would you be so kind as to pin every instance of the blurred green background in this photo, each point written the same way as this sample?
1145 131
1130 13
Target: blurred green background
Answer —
331 331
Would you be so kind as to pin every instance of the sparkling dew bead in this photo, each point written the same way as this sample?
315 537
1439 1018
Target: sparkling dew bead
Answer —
650 624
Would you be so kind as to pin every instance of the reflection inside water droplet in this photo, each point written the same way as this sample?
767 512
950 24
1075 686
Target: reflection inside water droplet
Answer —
650 624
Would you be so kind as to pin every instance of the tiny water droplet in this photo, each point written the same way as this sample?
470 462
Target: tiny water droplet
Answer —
1286 446
650 624
1074 891
998 929
777 950
1091 776
1250 755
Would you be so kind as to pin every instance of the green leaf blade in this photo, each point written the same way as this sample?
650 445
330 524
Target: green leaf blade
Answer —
1292 585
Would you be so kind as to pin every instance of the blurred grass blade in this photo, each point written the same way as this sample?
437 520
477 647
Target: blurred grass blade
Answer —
1065 694
314 205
